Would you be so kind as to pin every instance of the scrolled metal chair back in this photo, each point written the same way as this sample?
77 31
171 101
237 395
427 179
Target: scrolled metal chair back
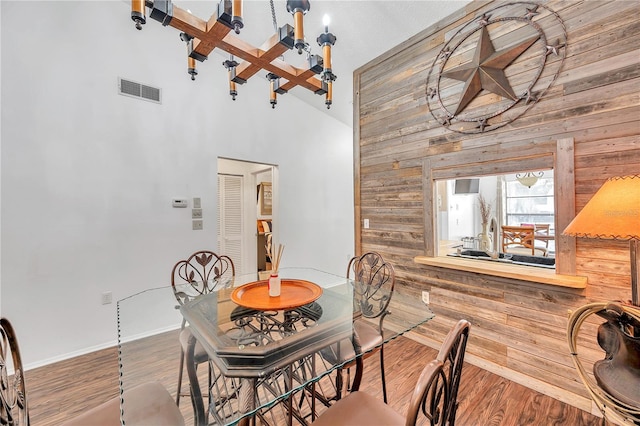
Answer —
374 281
201 273
436 394
13 394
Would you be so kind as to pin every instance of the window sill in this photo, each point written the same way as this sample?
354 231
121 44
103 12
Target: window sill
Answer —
517 272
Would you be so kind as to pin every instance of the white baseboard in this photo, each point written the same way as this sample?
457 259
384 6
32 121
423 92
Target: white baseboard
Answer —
96 348
69 355
584 404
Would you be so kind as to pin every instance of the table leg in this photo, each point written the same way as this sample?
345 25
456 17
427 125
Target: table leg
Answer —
290 398
313 387
246 400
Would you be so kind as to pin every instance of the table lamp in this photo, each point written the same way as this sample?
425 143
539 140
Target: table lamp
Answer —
614 213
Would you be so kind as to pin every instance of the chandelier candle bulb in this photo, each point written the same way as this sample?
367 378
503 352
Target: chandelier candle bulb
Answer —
326 40
231 64
273 88
191 67
326 46
273 97
236 12
298 23
326 57
191 62
232 89
326 20
138 13
298 9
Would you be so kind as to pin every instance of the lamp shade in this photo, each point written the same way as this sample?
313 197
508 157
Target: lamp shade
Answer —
612 213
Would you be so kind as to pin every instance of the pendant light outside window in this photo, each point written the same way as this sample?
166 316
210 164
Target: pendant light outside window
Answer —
529 179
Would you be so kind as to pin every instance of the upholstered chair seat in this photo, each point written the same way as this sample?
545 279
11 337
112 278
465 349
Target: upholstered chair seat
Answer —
199 354
146 404
369 412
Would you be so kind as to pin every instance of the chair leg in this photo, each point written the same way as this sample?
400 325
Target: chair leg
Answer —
339 383
384 383
180 377
199 413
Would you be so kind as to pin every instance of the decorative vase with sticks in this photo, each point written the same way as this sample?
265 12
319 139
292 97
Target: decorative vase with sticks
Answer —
485 216
274 279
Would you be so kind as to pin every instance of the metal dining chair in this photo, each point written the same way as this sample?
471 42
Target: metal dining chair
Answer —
202 272
149 403
374 281
435 394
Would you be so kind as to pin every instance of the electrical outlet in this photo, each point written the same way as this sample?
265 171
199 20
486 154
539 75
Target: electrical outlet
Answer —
196 213
425 297
197 225
196 203
106 298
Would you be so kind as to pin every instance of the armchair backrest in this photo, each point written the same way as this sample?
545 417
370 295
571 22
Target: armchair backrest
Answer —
13 393
201 273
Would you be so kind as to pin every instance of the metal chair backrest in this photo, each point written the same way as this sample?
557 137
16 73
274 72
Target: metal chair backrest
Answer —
13 392
374 283
201 273
436 393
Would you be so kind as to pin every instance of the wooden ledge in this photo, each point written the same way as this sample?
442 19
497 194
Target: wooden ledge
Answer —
517 272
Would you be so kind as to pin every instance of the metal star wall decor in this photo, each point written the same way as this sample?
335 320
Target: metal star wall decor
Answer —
489 72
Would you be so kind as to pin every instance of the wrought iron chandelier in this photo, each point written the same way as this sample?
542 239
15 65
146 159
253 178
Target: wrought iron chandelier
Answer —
201 37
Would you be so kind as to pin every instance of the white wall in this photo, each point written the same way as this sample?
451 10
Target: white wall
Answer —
88 175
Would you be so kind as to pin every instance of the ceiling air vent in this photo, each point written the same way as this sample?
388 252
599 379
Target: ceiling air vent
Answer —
138 90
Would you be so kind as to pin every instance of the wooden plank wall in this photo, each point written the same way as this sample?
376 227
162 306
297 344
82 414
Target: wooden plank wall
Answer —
518 327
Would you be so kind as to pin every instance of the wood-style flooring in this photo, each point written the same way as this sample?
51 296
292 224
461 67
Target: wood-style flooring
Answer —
62 390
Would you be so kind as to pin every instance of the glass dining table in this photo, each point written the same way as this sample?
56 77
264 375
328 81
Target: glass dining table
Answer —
260 357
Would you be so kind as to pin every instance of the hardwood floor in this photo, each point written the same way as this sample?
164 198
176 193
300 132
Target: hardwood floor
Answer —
65 389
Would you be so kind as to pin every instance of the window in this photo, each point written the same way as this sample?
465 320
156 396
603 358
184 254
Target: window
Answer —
556 155
529 205
511 203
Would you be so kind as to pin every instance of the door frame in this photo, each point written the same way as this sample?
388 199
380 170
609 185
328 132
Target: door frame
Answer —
252 171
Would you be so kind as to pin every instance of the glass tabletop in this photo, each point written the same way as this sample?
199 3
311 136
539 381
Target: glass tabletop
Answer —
248 349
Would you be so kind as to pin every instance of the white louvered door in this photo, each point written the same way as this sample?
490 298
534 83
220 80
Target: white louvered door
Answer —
230 218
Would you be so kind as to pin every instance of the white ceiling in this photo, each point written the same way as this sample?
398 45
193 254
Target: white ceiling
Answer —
365 29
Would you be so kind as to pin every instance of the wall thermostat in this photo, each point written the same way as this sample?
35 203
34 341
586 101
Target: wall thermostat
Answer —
179 202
